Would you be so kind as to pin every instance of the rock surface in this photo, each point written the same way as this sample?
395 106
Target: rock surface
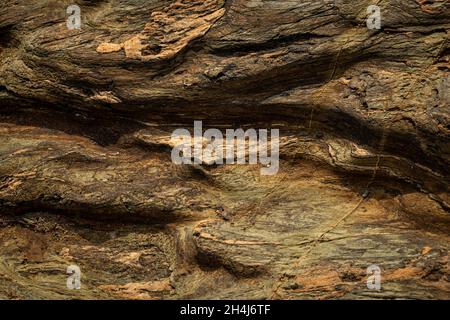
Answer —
86 176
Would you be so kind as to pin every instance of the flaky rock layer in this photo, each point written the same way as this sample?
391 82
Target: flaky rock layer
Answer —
86 176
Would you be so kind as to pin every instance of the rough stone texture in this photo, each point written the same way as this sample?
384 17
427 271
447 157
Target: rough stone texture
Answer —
86 176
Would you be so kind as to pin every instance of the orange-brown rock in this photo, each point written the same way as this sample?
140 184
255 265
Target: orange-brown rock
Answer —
86 176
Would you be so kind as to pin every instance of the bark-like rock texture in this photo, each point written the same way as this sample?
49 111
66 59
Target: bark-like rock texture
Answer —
86 176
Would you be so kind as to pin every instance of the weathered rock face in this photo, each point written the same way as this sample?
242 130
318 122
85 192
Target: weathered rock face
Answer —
86 176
